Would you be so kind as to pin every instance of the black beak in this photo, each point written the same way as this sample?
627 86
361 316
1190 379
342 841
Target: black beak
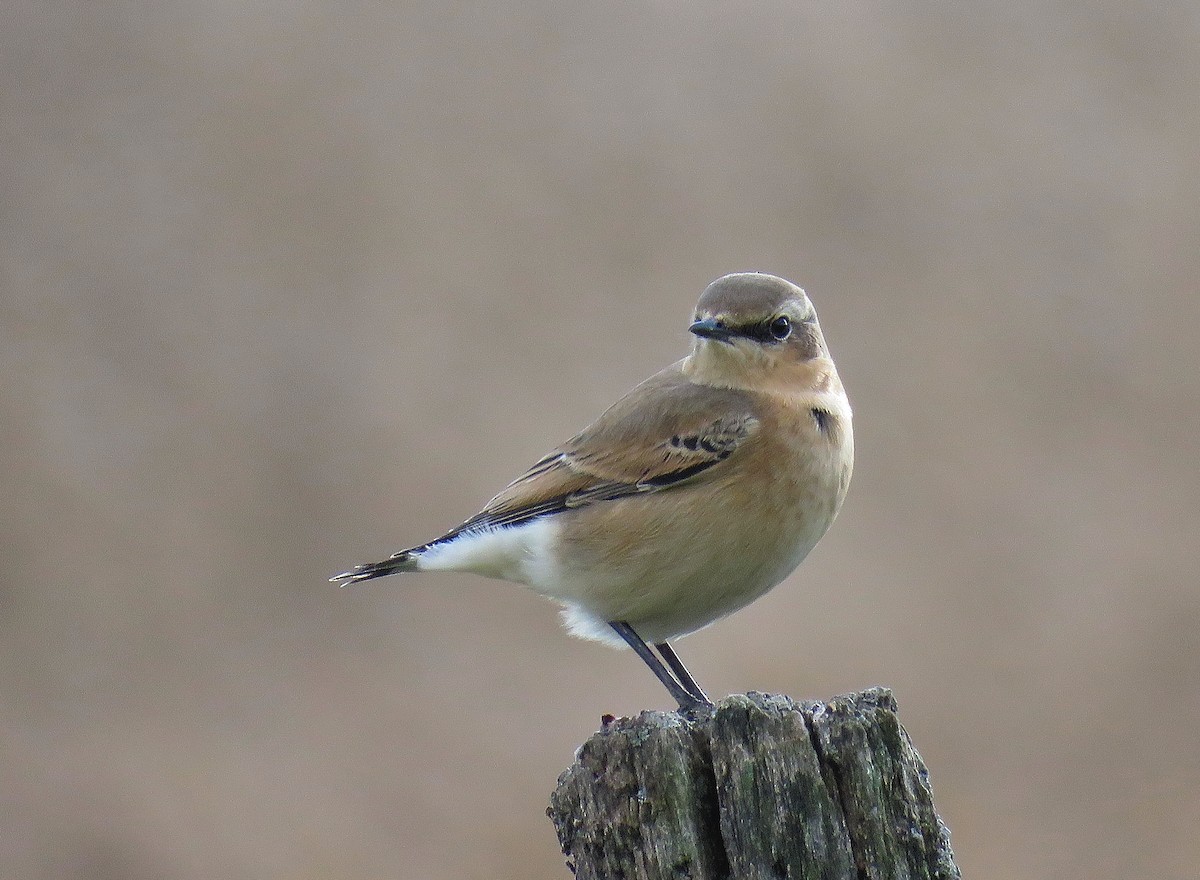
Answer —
711 328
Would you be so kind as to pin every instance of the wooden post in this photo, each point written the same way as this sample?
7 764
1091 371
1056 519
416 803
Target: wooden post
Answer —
759 787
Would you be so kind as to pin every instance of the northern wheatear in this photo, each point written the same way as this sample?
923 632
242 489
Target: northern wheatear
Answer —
690 497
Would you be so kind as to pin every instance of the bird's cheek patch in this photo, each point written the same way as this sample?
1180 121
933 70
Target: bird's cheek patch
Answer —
807 341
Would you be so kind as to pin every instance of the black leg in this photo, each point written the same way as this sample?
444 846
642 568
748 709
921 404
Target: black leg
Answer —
685 677
683 697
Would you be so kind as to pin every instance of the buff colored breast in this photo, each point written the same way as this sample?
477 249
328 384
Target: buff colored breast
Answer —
673 563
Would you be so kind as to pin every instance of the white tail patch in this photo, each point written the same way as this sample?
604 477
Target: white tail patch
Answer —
523 553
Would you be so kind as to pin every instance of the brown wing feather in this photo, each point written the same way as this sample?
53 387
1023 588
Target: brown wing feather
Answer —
663 433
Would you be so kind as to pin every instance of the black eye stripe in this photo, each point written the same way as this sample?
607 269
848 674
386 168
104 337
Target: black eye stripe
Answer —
772 330
769 331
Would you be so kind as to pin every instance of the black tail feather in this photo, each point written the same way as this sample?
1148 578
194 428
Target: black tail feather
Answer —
404 561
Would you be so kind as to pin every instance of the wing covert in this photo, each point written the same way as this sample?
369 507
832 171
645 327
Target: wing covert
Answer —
664 433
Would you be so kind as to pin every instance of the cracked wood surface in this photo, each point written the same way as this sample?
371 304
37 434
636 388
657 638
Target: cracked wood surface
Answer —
759 787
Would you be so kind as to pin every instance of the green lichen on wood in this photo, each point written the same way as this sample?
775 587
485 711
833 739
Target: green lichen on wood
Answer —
640 802
779 817
884 788
761 787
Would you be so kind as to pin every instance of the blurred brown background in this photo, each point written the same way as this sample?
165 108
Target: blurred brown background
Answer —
289 286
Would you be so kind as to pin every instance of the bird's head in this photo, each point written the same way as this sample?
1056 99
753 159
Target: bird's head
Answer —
753 331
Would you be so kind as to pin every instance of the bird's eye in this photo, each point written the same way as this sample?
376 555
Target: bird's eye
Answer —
781 328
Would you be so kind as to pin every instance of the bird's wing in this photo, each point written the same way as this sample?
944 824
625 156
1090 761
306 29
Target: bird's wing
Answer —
663 433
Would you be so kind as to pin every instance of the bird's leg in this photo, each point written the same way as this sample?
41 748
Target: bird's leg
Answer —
682 695
681 673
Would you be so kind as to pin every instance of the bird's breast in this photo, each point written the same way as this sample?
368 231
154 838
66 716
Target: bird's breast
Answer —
795 482
674 561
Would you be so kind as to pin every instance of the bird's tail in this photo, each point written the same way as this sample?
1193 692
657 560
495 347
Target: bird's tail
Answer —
405 560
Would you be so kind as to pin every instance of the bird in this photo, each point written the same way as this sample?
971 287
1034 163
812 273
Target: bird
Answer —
687 499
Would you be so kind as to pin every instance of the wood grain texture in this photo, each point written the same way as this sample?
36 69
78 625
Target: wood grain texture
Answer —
760 787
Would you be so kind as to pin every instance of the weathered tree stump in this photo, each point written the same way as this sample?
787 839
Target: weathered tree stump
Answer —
759 787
